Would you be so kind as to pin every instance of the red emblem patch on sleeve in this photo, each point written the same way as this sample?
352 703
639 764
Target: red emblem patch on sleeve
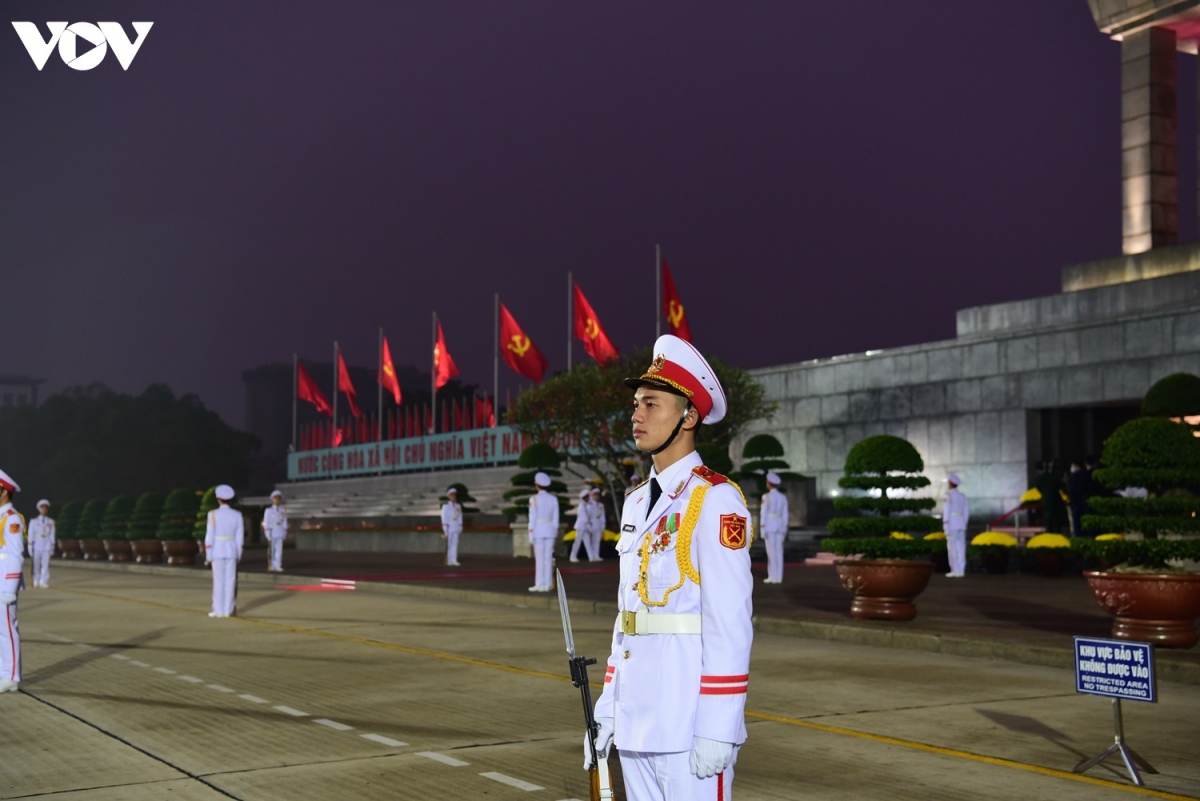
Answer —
15 528
733 531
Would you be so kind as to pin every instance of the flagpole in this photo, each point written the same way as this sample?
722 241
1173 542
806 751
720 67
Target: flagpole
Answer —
433 383
295 393
333 433
379 405
496 355
658 287
570 316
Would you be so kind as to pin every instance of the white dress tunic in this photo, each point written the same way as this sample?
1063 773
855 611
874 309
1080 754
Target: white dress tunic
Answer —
223 542
41 548
275 524
12 560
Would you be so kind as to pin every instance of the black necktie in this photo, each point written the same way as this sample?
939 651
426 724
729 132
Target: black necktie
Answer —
655 491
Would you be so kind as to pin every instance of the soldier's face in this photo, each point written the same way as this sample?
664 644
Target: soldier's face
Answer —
655 414
276 500
44 509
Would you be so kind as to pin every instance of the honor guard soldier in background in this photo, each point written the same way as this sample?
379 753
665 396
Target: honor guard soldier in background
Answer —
774 525
582 527
223 542
675 689
41 544
955 513
452 525
275 526
12 560
596 522
543 531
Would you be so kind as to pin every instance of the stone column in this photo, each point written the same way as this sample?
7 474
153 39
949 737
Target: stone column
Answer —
1148 140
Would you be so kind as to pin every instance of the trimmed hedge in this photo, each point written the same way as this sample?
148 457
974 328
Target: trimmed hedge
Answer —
883 463
1152 554
116 518
178 517
90 519
67 522
143 523
883 547
1176 395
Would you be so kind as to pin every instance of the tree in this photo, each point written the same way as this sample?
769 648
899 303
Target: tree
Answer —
765 455
1176 397
88 442
116 518
179 515
143 523
585 413
876 468
538 457
67 521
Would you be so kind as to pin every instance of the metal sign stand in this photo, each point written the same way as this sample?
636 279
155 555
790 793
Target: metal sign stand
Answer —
1128 755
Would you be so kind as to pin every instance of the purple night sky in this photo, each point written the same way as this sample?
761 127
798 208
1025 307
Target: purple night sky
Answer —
268 177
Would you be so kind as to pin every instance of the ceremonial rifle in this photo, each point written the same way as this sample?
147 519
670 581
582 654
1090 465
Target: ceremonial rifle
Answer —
601 782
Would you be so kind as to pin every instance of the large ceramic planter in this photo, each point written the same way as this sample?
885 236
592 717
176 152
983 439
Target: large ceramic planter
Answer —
93 550
118 550
69 549
883 589
147 551
180 552
1155 608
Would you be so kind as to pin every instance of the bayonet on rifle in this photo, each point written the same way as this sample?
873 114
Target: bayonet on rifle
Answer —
601 782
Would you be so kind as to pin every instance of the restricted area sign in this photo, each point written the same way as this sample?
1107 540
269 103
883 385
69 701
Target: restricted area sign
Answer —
1115 669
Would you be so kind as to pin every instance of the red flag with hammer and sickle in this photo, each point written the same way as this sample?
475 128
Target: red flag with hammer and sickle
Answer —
518 349
307 390
444 367
673 307
387 373
588 328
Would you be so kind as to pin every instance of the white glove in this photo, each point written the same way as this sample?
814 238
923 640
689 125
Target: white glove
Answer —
604 739
709 757
8 598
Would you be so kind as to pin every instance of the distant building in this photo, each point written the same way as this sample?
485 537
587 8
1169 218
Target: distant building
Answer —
19 390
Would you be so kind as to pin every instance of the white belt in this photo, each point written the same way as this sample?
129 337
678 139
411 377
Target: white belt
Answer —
642 622
546 520
224 539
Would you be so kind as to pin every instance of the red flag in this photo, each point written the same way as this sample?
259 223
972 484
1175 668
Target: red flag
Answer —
387 373
443 365
307 390
588 328
483 411
347 386
677 323
518 350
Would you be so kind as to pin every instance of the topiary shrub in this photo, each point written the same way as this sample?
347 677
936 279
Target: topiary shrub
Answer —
116 518
764 454
464 497
147 511
537 458
178 516
90 519
1163 457
1175 396
207 503
876 467
67 523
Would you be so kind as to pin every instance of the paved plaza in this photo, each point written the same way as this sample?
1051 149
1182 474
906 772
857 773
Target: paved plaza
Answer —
132 692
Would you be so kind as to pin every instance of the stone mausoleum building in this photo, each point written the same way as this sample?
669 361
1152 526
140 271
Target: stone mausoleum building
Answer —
1046 378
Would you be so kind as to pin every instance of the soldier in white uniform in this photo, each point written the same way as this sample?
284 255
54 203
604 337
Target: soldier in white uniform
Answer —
675 687
452 525
774 526
41 544
583 529
223 542
12 561
543 531
955 513
596 521
275 527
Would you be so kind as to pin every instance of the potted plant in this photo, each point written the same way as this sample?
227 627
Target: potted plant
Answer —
114 527
1049 552
88 531
143 528
538 457
1175 397
67 525
1151 582
994 549
208 502
764 454
884 573
175 526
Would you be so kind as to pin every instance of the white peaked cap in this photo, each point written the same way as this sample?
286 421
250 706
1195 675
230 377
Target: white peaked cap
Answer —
7 483
595 491
452 489
679 368
583 493
542 480
773 478
224 493
276 494
42 502
953 478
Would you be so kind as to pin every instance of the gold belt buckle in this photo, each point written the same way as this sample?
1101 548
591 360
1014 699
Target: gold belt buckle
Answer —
628 623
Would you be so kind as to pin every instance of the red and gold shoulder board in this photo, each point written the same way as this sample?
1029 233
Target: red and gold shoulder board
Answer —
709 475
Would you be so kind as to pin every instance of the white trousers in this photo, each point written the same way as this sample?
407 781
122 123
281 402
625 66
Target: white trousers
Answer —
543 558
275 553
774 543
224 573
452 546
41 568
668 777
956 549
10 644
584 538
594 538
